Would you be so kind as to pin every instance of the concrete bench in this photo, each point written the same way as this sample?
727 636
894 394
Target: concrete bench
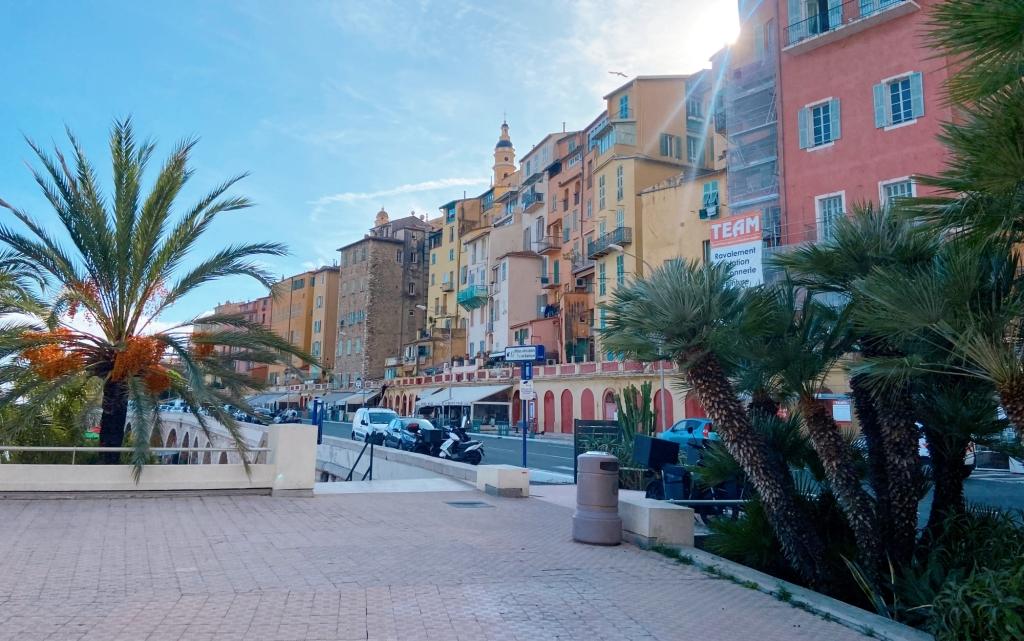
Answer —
648 522
503 480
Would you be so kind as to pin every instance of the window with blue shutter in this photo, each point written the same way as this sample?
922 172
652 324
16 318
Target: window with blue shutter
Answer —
833 110
802 120
899 100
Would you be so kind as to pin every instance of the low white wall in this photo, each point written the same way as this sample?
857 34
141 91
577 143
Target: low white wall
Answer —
290 468
113 478
337 455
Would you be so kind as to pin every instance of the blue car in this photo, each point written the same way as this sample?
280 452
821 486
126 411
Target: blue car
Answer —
690 431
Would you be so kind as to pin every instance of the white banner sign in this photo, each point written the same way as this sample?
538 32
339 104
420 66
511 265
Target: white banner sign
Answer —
737 241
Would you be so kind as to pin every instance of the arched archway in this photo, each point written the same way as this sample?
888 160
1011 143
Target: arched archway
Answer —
608 407
206 455
692 407
566 417
587 405
172 439
183 456
222 459
663 404
549 411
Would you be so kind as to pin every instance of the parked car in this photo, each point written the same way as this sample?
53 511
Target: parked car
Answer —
690 431
371 419
403 432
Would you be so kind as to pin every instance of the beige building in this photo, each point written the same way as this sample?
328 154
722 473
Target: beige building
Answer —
678 214
383 284
293 311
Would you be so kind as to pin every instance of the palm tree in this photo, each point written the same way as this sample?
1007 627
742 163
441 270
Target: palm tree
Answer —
694 314
806 341
868 240
126 260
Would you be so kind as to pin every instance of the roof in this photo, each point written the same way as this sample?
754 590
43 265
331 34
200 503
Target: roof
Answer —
461 395
639 78
503 143
382 239
519 254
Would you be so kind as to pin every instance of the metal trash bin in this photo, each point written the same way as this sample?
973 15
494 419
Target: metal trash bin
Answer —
596 519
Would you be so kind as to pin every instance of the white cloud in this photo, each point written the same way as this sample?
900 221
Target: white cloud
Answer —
410 188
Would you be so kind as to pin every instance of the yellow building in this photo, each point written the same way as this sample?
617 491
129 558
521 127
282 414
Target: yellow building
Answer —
654 129
678 214
301 313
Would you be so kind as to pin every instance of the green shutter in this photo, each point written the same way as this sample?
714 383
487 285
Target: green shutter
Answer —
554 271
802 117
833 116
679 147
664 144
881 119
917 94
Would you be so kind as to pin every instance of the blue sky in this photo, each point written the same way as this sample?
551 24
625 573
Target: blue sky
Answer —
336 108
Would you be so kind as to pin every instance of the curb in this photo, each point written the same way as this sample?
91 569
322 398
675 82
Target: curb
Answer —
867 623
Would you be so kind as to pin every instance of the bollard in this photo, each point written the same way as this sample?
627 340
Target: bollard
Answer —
596 519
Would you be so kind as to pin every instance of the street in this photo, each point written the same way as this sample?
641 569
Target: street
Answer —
996 488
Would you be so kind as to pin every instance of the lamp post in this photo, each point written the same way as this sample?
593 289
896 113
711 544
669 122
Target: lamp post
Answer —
661 343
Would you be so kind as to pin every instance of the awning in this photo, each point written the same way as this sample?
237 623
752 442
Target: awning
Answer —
286 398
462 395
429 391
262 399
334 397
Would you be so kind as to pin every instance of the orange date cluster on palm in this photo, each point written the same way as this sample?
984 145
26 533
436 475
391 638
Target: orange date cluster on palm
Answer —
141 357
52 359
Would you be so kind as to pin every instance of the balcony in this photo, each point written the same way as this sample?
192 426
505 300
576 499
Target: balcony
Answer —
447 286
618 236
549 282
548 243
472 297
841 21
579 263
495 288
533 201
440 311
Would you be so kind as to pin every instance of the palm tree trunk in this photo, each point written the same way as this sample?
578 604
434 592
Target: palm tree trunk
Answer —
1011 396
948 476
853 500
878 473
115 413
762 403
768 473
899 438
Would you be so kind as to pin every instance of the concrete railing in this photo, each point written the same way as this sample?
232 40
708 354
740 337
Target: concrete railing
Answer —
289 469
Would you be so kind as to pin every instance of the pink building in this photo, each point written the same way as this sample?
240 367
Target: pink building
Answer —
860 107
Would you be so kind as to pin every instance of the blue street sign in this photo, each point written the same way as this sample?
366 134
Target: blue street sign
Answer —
526 371
524 353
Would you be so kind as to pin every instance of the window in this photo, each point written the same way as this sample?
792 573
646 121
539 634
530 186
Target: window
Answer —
590 209
433 258
504 270
830 210
619 180
671 146
399 256
451 254
692 149
451 234
359 346
694 108
819 124
600 192
624 106
316 348
348 346
317 325
903 188
620 218
472 348
899 100
319 302
298 283
554 272
620 270
463 274
604 318
710 198
433 280
601 288
412 289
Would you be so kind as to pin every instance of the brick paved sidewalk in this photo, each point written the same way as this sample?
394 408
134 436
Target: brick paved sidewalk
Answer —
357 566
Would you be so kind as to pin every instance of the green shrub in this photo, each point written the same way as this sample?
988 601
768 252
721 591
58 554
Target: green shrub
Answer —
988 605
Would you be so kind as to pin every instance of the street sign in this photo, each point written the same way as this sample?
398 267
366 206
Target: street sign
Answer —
526 390
524 353
526 371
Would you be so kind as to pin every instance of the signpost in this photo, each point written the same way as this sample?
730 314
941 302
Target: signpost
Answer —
525 355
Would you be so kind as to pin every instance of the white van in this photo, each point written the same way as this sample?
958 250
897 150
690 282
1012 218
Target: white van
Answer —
371 419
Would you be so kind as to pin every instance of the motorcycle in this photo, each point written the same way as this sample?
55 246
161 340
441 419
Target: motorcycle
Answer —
459 447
